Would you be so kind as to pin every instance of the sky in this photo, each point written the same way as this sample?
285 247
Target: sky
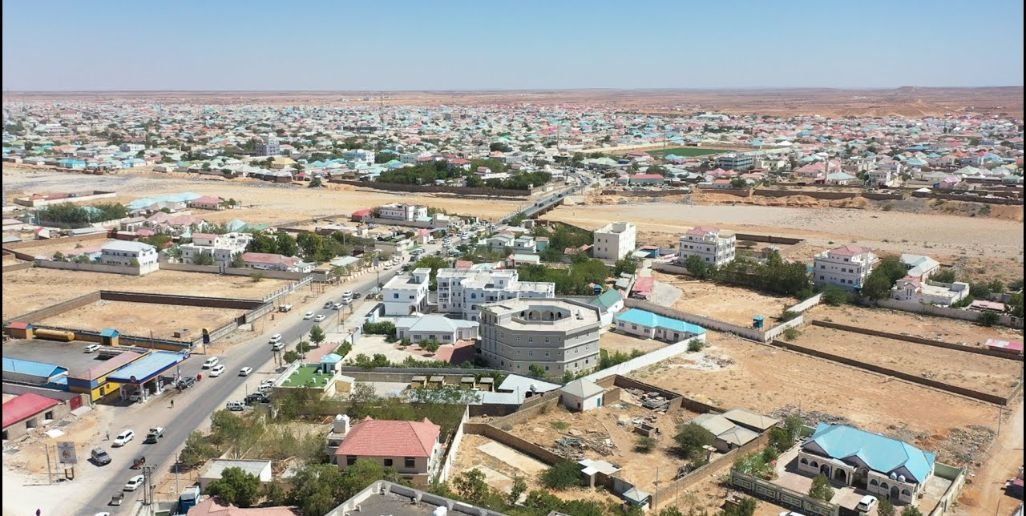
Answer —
74 45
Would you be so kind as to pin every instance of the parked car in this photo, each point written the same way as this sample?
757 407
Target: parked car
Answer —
99 457
186 382
356 295
134 483
319 318
245 371
235 406
91 348
328 305
135 396
866 504
256 397
276 338
216 370
307 316
211 362
278 346
336 306
123 438
154 434
267 384
285 308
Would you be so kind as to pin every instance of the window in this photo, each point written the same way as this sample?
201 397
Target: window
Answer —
350 460
410 462
395 296
388 463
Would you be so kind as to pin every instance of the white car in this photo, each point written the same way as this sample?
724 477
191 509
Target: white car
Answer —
307 316
245 371
319 318
216 370
123 438
866 504
134 483
211 362
267 384
91 348
276 338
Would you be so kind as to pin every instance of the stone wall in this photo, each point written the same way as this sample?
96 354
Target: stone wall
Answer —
705 322
668 494
951 313
232 271
91 267
780 495
59 308
919 340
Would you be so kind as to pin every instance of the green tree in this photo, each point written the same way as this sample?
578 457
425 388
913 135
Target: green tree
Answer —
821 489
697 267
318 488
911 510
471 486
317 334
645 444
562 475
886 508
290 356
691 438
203 259
988 318
536 371
236 487
519 487
835 296
198 449
285 245
316 183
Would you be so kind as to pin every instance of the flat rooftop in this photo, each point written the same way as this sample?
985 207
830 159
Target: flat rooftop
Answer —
69 355
588 314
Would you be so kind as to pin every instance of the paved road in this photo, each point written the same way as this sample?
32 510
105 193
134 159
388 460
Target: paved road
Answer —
584 180
195 405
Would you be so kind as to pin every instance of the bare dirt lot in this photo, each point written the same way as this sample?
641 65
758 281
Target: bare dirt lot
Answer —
618 342
600 425
979 372
945 237
35 288
927 327
263 202
731 304
765 380
144 319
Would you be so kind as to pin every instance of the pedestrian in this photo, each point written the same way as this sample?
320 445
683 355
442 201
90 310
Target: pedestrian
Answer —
38 512
108 435
172 403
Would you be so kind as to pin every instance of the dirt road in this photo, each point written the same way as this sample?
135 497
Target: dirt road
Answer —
985 495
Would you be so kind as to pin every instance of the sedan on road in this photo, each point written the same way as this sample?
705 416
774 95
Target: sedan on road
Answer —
307 316
216 370
245 371
319 318
123 438
134 483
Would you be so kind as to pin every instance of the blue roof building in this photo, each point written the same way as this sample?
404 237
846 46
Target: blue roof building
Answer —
654 326
881 465
146 368
35 373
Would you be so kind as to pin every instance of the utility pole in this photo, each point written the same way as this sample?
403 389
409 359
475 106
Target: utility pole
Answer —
178 489
49 471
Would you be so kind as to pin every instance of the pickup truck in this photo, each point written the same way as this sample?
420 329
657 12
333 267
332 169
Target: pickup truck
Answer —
285 308
155 433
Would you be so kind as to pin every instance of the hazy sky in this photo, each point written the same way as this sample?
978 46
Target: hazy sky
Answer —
488 44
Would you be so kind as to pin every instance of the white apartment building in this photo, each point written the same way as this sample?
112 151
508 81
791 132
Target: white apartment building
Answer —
557 335
406 293
406 212
714 246
223 248
847 266
463 291
268 146
130 254
614 241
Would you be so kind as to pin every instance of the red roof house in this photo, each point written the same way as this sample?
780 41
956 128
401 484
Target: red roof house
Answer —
25 407
411 447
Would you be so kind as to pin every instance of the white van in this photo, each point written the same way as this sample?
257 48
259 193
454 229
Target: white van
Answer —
211 362
347 297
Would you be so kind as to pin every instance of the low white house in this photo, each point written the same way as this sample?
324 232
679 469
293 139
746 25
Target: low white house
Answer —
582 395
406 293
435 327
258 468
130 254
928 292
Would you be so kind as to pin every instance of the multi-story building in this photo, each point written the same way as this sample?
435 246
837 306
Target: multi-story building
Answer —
223 248
558 335
847 266
736 161
406 293
268 145
614 241
406 212
130 254
463 291
714 246
412 448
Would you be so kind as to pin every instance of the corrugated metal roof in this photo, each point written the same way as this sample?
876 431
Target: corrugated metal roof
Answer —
24 407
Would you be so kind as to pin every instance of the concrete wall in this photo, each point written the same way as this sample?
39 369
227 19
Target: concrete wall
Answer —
92 267
779 329
806 193
780 495
957 478
461 191
452 450
522 446
18 267
919 340
951 313
167 299
27 244
645 360
52 310
232 271
668 494
968 198
705 322
955 389
646 193
805 305
769 239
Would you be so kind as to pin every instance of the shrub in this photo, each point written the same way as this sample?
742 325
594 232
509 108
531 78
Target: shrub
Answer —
644 444
695 346
791 334
787 315
821 489
562 475
835 296
988 318
886 508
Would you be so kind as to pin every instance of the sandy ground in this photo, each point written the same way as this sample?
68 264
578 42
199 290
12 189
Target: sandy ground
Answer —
945 237
984 494
940 328
979 372
35 288
731 304
641 469
144 319
262 202
618 342
765 380
499 474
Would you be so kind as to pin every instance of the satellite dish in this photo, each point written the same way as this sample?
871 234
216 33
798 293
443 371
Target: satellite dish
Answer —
894 476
